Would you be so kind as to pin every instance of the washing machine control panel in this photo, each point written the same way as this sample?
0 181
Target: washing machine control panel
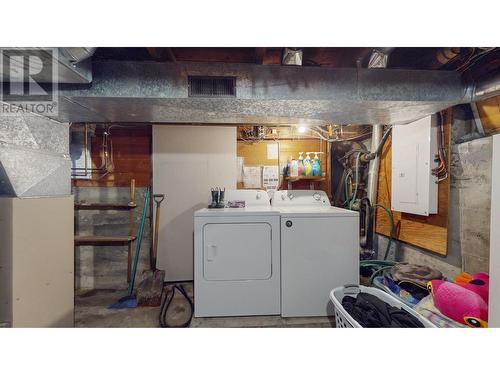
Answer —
300 198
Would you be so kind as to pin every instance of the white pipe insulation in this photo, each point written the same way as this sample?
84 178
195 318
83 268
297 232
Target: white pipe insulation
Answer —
374 164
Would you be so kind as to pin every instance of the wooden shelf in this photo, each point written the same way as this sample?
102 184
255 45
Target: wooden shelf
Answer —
312 180
305 178
103 240
105 206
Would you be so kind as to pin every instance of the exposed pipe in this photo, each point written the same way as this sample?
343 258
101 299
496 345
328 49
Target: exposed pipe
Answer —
374 153
487 87
374 164
86 147
377 60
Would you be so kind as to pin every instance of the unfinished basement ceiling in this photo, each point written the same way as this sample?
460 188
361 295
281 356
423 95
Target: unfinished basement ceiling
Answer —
151 85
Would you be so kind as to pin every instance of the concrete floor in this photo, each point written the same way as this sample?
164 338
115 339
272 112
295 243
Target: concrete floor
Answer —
92 310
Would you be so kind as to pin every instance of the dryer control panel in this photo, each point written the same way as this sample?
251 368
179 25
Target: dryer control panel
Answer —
252 198
287 198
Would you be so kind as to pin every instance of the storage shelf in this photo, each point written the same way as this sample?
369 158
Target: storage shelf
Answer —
93 240
105 206
312 180
103 240
305 178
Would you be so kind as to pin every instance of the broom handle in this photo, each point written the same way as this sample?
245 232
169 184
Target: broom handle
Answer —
138 244
130 228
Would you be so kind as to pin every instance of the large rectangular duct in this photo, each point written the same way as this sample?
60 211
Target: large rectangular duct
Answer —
158 92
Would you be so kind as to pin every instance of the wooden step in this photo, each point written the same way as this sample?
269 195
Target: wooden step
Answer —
105 206
103 240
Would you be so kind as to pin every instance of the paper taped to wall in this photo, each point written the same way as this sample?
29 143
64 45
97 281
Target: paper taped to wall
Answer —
272 151
239 168
252 177
270 177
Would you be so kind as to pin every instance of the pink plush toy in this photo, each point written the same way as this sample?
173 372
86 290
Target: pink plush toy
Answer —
459 303
479 284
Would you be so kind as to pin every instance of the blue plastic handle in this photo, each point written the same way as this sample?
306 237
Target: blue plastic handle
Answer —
138 243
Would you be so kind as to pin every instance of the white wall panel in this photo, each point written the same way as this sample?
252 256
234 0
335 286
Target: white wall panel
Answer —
187 162
494 298
37 262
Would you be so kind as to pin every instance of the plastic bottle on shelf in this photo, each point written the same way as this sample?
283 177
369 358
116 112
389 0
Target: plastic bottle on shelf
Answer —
316 165
294 168
301 165
307 165
286 170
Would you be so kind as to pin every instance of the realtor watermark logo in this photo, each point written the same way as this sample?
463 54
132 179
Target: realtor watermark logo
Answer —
28 81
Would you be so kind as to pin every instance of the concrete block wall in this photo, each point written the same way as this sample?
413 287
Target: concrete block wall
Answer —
471 179
403 252
105 267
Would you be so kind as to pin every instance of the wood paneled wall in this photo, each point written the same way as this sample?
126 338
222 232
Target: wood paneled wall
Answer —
256 154
489 111
130 152
131 155
427 232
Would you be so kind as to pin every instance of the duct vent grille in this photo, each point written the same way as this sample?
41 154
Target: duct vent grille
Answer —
211 86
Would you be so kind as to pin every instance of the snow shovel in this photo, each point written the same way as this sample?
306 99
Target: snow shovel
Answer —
149 291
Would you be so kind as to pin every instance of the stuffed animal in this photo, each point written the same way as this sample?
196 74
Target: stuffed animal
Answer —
479 283
463 278
458 303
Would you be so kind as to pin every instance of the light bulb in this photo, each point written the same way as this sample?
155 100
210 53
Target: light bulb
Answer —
302 129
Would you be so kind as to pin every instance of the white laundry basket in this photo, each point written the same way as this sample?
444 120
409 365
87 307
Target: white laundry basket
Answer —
344 320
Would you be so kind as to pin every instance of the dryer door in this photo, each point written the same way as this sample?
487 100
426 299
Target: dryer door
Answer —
237 251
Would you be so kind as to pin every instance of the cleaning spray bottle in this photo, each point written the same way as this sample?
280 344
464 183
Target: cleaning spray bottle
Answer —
301 165
307 165
316 165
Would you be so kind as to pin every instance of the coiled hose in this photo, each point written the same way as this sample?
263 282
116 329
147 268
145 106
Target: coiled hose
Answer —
166 304
378 266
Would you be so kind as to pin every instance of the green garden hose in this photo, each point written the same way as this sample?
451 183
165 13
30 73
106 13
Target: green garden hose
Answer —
391 235
356 182
378 265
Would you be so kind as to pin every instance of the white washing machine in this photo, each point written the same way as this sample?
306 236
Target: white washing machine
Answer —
237 258
319 251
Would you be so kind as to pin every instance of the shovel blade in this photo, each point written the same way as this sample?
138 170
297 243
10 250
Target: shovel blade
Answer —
150 289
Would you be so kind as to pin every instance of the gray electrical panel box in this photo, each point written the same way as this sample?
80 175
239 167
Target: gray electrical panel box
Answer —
414 151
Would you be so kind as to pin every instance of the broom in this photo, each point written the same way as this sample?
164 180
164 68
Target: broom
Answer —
129 301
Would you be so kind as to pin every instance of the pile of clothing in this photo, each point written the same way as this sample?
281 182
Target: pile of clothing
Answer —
408 282
371 312
461 303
